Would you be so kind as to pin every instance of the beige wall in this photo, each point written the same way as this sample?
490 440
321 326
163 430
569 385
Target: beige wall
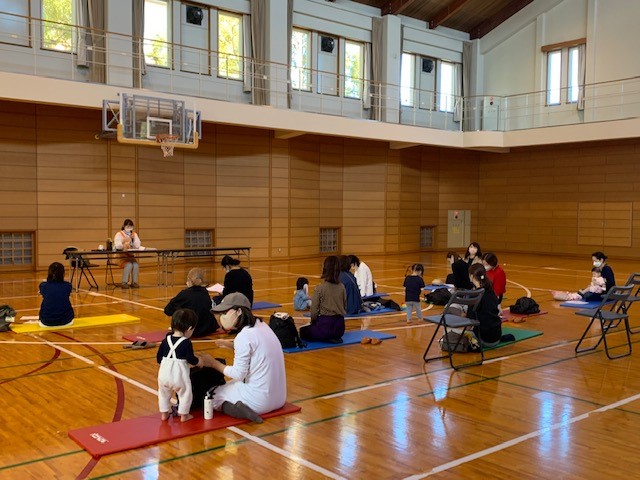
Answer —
274 195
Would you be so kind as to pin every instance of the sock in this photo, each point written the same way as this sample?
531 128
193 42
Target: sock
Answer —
240 410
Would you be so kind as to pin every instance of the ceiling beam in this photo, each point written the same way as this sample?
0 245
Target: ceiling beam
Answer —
446 12
395 7
489 24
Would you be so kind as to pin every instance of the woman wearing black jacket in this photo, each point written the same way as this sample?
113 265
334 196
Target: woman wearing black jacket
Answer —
489 332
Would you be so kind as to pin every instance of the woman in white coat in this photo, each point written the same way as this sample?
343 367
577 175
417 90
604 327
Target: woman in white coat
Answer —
362 272
258 382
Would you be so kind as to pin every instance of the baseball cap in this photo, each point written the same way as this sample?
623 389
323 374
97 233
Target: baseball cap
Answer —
233 300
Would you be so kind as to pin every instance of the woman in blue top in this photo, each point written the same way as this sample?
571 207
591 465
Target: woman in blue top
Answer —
354 300
56 309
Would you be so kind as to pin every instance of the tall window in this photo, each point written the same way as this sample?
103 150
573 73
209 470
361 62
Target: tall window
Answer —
446 79
554 77
353 69
156 33
407 79
57 18
574 85
563 65
301 59
230 45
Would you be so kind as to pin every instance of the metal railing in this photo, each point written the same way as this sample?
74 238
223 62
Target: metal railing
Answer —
96 56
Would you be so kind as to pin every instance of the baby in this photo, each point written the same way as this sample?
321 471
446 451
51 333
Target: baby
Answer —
597 286
175 357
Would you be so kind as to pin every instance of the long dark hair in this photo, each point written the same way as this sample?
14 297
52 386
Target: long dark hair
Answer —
331 269
478 253
246 319
127 222
56 272
478 272
229 261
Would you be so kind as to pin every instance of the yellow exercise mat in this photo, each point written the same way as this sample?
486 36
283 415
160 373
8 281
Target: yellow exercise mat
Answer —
82 322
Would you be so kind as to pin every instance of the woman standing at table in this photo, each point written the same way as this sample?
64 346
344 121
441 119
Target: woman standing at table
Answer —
127 239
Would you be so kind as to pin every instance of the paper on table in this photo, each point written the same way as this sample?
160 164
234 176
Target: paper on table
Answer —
216 288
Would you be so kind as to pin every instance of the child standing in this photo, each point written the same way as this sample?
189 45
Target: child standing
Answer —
175 357
413 285
56 309
301 298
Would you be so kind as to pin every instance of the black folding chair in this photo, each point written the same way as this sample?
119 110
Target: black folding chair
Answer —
448 320
84 267
634 279
610 312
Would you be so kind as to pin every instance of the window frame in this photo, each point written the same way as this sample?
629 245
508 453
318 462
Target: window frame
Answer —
149 41
358 81
567 70
307 77
411 65
57 24
240 54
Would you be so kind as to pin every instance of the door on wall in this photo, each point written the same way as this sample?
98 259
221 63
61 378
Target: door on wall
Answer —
459 228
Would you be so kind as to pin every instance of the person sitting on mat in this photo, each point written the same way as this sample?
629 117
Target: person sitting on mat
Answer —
460 272
597 287
413 285
196 298
489 332
362 272
236 279
176 357
328 306
473 254
301 298
496 274
259 383
354 299
127 239
56 309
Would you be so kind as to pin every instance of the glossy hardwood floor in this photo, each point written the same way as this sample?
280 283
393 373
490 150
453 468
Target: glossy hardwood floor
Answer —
533 410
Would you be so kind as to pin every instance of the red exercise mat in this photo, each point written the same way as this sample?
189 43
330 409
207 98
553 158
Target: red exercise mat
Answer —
139 432
158 336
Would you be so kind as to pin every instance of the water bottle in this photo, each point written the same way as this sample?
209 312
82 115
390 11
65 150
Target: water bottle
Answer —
208 406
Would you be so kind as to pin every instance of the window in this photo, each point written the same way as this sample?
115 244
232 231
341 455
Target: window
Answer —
446 79
554 77
563 71
353 69
16 248
301 60
426 237
230 46
156 33
328 240
407 79
198 239
574 85
57 20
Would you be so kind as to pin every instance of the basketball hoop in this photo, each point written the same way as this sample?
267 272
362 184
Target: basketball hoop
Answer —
167 142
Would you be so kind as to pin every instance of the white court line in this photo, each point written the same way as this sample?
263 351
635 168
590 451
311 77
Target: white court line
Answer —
370 387
523 438
522 287
286 454
97 294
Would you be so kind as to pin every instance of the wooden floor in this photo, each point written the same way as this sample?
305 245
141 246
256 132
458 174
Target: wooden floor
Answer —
533 410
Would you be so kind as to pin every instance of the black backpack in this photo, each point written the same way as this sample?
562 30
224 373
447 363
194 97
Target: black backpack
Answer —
440 296
285 329
525 305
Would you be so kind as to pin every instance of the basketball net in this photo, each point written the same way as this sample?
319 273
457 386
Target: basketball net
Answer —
167 142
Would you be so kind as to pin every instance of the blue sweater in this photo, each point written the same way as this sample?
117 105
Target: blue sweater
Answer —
56 307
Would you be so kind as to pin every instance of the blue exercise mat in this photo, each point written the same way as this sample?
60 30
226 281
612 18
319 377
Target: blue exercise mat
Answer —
264 305
374 296
366 314
581 304
349 338
431 288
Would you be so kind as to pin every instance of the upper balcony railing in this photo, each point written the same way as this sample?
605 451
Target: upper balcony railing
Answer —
114 59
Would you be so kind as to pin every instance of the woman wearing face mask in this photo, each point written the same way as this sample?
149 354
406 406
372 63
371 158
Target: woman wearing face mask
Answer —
473 254
195 297
496 274
599 260
258 376
236 279
127 239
